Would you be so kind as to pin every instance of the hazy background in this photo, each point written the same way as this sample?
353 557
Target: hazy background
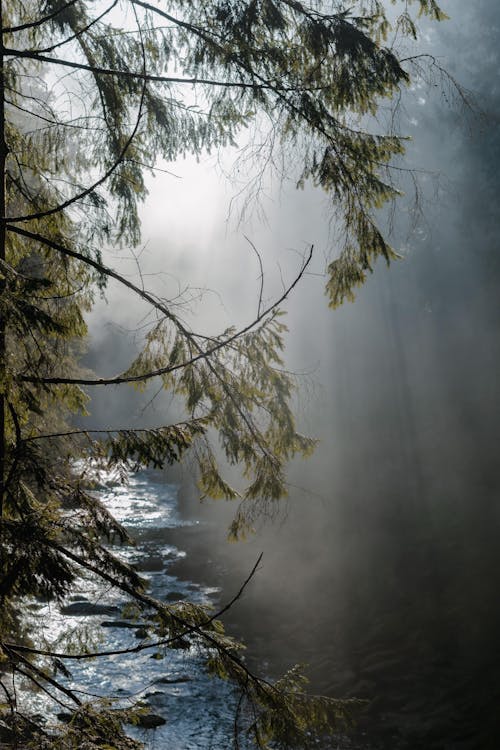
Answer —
382 574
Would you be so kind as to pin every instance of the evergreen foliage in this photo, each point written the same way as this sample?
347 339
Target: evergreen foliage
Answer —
93 94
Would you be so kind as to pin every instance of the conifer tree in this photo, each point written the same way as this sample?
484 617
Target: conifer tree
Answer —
92 95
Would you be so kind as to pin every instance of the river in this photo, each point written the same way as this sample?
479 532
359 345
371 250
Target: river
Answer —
199 709
388 633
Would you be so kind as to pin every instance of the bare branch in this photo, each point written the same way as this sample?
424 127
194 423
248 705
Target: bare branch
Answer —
261 277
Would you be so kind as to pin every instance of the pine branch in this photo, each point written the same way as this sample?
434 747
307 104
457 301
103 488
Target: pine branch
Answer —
131 75
142 646
91 189
39 21
203 355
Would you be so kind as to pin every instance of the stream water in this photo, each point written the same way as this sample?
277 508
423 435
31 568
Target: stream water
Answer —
421 648
199 709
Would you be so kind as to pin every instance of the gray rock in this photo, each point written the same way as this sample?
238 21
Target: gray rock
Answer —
180 643
175 596
173 680
151 564
151 721
64 716
81 609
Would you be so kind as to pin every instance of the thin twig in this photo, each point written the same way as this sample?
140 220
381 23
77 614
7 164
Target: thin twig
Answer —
261 277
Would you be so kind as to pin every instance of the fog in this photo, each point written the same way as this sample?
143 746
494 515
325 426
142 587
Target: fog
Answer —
382 570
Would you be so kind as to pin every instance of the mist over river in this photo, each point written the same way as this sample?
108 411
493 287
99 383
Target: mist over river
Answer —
408 629
381 570
184 707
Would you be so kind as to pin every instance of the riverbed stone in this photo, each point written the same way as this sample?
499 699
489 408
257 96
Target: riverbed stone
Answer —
151 564
167 680
175 596
150 721
80 609
64 716
182 643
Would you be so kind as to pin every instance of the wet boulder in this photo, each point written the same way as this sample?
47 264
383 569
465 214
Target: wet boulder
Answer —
81 609
150 721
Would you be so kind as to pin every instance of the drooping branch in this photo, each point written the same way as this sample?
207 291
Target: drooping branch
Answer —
148 297
163 610
190 629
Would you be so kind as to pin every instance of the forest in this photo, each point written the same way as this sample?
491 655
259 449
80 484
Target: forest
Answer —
96 97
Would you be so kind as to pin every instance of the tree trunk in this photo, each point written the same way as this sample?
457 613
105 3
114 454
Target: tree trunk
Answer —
3 156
